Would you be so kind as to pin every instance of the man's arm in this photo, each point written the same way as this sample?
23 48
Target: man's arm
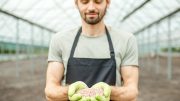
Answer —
129 90
53 90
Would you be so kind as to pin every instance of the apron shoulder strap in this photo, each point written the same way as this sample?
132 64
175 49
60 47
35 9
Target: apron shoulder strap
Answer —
75 42
110 43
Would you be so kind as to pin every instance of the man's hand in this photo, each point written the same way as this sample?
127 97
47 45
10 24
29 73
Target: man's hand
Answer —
106 91
73 88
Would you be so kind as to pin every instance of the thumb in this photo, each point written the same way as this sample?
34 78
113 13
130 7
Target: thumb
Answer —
100 98
76 86
71 90
105 87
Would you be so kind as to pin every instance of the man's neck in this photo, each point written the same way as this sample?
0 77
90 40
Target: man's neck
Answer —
93 30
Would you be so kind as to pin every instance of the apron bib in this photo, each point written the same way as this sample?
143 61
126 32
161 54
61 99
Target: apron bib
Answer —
91 70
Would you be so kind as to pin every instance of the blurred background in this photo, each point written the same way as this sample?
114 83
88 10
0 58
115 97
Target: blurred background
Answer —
26 27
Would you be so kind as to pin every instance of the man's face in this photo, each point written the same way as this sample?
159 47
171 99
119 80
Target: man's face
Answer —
92 11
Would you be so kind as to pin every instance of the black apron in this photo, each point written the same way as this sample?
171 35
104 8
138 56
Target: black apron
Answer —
90 70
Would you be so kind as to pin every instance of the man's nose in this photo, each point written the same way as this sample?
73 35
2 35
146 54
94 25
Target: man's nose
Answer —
91 6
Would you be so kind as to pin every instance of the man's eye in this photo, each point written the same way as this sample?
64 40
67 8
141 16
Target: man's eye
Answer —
84 1
98 1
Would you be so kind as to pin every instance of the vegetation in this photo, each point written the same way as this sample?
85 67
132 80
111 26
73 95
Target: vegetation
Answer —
174 49
10 48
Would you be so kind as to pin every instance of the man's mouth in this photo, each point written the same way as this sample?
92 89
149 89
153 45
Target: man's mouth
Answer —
91 15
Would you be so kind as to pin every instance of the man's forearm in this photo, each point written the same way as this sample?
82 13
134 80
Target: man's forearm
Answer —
124 93
56 93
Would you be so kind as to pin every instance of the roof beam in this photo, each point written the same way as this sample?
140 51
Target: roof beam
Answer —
159 20
17 17
136 9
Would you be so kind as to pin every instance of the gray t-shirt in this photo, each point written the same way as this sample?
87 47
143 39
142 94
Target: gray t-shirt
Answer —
125 47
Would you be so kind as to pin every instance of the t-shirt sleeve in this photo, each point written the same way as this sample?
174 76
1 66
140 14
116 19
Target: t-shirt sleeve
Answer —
131 55
55 53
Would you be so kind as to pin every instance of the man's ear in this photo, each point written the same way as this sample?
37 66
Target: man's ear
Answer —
76 3
108 2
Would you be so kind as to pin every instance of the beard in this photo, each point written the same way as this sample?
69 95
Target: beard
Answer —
93 20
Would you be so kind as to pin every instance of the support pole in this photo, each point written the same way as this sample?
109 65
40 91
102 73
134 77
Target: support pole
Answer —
169 68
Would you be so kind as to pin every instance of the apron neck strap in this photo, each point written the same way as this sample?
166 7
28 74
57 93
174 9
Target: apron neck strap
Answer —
75 42
110 43
77 38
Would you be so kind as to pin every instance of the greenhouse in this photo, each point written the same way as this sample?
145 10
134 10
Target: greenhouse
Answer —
27 28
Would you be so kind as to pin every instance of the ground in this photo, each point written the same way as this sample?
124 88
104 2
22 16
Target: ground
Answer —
27 82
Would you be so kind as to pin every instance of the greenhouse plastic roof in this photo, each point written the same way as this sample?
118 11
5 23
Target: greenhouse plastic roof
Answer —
131 15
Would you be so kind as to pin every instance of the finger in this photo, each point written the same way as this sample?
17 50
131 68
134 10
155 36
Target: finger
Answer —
100 98
75 97
97 85
82 99
93 99
88 98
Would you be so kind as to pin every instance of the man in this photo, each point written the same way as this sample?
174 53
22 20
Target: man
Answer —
93 53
